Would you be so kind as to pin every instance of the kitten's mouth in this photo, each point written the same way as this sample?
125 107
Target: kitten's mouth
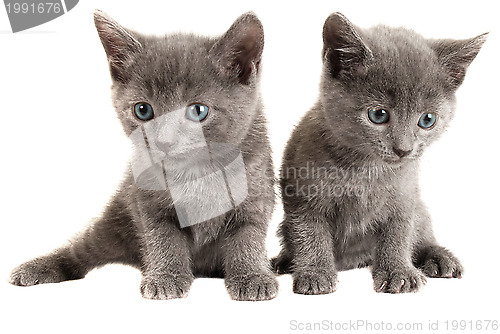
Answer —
186 158
193 153
395 161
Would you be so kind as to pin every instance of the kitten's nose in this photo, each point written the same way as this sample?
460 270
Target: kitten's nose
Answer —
401 153
164 146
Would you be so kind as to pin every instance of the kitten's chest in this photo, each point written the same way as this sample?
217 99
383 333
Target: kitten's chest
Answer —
364 189
164 211
358 211
357 201
372 197
208 231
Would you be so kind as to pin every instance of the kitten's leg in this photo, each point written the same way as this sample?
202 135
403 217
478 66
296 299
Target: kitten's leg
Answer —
393 270
433 259
248 275
313 263
52 268
112 238
166 272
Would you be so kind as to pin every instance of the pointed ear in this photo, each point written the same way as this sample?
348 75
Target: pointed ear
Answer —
118 43
343 48
457 55
238 52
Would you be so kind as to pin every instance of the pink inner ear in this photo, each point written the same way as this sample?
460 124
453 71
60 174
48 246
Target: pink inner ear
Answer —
240 49
343 48
248 53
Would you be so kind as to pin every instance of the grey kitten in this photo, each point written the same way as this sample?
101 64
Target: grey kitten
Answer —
349 177
192 109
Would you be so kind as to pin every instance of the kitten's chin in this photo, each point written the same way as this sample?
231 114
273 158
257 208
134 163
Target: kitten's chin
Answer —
398 162
395 162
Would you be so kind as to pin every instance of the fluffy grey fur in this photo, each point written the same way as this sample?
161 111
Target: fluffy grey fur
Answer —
350 186
140 227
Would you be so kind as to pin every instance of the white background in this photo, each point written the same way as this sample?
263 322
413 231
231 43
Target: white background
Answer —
63 153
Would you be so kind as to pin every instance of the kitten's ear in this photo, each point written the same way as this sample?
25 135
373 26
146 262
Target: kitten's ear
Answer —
457 55
238 52
343 48
118 43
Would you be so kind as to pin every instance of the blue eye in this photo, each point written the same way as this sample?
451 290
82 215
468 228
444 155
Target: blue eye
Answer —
196 112
427 120
378 116
143 111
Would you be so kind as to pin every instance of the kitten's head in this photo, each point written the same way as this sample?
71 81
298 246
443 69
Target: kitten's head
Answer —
389 92
185 89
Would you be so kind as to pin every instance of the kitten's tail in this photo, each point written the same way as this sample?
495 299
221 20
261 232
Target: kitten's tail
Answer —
282 264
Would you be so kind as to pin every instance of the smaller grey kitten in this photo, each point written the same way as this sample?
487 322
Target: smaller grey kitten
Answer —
191 106
349 177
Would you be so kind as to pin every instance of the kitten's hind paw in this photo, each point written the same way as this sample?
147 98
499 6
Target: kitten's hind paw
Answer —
252 287
440 262
314 282
165 286
398 280
39 271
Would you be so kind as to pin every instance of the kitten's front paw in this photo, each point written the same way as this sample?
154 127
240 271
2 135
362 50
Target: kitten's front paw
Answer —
314 282
252 287
440 262
399 280
37 271
165 286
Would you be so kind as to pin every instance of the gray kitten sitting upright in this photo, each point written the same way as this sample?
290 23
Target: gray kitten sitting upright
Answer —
194 105
349 177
